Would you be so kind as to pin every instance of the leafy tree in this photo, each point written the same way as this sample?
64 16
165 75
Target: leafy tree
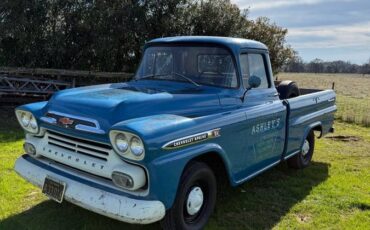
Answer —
216 18
109 35
316 66
22 37
294 64
319 66
274 37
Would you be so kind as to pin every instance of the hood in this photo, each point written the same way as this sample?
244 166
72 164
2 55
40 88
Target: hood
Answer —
112 103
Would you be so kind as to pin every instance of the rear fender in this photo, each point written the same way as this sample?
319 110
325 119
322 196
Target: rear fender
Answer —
308 129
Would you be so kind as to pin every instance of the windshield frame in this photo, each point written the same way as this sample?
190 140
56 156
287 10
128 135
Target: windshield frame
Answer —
192 44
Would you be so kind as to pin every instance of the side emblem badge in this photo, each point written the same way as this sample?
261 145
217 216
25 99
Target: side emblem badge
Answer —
181 142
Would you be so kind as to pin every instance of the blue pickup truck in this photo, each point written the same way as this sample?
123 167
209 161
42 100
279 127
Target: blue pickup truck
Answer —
154 149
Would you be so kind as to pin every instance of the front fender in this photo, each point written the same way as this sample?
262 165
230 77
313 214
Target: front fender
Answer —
157 130
165 172
37 108
165 165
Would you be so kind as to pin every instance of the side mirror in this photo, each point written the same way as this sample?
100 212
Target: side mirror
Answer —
254 81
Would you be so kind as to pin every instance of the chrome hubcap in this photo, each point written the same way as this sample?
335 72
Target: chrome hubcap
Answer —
195 201
305 148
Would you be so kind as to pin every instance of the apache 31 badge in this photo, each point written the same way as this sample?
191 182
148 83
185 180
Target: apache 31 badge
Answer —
192 139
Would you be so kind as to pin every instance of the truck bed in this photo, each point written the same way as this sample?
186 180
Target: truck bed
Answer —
313 109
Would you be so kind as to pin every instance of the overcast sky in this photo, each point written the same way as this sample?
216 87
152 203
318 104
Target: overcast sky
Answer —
326 29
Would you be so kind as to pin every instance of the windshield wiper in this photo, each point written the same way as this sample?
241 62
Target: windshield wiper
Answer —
188 79
146 77
174 74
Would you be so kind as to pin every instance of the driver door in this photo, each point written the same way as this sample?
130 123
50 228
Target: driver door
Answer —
264 131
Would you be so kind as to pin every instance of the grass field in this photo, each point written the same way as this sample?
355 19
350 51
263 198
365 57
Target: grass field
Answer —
333 193
353 93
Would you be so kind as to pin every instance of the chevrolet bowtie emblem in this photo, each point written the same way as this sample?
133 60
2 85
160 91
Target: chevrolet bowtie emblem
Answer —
65 121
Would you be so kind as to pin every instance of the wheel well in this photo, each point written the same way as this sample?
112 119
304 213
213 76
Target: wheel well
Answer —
215 162
318 128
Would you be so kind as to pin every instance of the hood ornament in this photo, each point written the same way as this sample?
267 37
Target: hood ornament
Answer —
65 121
72 122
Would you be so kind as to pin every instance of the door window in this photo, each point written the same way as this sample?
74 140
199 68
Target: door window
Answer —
253 64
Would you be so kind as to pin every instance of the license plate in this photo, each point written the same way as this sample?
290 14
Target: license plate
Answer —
54 189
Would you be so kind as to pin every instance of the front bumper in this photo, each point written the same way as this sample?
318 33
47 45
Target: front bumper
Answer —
92 196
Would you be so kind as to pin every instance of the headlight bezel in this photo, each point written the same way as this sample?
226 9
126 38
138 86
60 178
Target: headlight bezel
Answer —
32 125
121 142
138 149
25 119
128 154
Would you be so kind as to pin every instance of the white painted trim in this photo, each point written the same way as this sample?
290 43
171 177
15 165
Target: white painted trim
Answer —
86 163
128 154
102 202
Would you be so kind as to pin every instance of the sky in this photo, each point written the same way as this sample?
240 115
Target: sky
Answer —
326 29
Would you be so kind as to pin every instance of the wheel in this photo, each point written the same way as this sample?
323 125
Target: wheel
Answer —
303 159
288 89
195 199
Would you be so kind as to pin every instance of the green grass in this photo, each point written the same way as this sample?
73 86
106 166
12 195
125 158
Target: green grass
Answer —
333 193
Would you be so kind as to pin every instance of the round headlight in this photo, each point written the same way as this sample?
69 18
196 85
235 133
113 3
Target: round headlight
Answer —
127 145
33 123
28 121
25 119
136 146
121 142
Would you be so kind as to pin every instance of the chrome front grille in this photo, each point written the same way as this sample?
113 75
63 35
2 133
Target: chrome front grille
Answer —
89 148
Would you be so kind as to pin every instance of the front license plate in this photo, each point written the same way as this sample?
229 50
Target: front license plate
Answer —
54 189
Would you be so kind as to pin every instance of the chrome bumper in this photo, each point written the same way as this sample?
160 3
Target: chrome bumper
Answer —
91 195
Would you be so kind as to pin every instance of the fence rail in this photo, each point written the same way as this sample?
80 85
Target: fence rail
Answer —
26 84
21 85
63 73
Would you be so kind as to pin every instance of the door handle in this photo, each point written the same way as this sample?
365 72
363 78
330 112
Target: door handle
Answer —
273 95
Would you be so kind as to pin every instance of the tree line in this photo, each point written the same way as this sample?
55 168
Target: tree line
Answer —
296 64
103 35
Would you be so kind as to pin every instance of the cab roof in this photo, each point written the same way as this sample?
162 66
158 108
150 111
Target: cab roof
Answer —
234 44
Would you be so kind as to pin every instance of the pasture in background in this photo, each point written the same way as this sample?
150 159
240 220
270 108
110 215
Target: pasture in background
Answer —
353 95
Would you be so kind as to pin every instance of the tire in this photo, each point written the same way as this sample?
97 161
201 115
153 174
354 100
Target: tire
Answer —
196 176
288 89
303 159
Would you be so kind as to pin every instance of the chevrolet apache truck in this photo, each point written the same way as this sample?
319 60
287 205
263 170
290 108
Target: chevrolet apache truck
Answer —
153 149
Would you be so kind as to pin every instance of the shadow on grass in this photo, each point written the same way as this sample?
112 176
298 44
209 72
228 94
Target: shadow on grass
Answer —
10 130
51 215
257 204
264 200
11 135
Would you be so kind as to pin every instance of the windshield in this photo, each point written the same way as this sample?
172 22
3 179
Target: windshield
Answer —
197 65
